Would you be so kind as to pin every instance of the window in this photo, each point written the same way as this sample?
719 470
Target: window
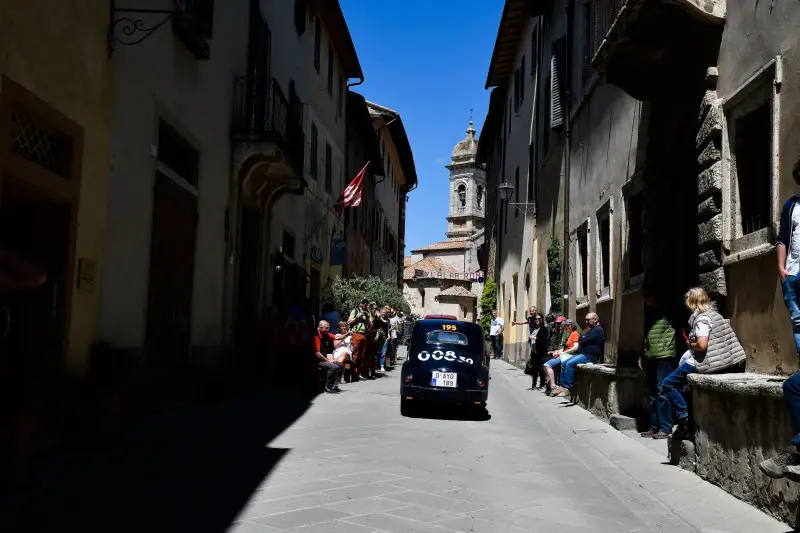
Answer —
752 151
516 192
517 100
462 196
340 101
330 69
604 251
635 235
422 296
558 78
317 43
749 162
583 266
547 110
328 168
314 139
174 150
447 337
300 16
534 49
479 196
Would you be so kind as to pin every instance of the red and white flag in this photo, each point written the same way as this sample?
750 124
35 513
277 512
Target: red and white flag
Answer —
351 197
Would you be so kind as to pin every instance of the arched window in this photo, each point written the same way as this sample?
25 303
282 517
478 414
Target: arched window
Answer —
480 196
462 196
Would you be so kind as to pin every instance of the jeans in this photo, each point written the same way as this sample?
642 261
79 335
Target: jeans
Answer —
334 370
791 393
553 362
655 370
568 368
671 388
790 288
383 352
497 345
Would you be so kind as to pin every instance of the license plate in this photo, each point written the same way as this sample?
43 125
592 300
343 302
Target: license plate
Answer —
444 379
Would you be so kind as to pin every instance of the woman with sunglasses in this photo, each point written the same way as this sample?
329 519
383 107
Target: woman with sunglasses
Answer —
539 342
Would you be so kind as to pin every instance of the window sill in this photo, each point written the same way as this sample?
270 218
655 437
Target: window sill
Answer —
749 253
604 299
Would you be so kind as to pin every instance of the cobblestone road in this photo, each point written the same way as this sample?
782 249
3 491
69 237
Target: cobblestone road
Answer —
355 465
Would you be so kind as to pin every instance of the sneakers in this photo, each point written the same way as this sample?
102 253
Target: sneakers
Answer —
383 369
563 393
332 390
660 435
779 466
648 433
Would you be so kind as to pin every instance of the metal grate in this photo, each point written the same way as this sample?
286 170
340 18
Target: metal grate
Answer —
34 141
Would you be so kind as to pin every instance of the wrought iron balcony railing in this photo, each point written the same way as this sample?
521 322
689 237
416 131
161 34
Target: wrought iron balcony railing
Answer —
261 112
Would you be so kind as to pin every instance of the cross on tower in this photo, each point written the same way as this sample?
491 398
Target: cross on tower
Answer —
470 114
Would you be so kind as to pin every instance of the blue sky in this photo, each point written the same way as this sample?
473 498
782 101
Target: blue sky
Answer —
428 60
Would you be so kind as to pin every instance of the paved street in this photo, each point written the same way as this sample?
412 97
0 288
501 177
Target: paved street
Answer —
355 465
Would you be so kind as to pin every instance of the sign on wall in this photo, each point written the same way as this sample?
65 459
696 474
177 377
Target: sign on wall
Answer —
465 276
338 250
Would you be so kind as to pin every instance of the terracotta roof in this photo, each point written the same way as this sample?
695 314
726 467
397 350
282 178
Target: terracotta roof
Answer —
458 291
429 264
408 261
444 245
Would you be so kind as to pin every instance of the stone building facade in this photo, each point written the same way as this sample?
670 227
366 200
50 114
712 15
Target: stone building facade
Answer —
445 277
659 163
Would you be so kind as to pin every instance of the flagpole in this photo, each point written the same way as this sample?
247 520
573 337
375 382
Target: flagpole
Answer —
328 211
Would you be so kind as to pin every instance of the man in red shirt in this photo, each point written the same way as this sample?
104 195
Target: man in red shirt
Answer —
323 347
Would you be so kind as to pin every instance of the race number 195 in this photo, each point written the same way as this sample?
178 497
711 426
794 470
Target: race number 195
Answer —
449 327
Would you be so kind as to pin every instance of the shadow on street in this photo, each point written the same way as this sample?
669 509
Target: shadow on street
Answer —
191 468
434 411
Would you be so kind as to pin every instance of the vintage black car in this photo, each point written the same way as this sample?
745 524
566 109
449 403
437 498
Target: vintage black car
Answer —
448 361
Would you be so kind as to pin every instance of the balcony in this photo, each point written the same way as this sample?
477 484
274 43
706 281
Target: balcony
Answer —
651 48
266 123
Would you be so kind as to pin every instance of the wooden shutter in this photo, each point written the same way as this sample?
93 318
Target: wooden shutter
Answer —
558 79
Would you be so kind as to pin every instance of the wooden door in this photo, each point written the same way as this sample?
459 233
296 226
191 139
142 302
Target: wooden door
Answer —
172 248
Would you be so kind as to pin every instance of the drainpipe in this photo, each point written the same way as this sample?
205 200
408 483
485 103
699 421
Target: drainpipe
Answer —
359 82
565 280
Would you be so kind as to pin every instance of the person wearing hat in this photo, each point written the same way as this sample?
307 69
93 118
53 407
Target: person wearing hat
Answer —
358 322
557 335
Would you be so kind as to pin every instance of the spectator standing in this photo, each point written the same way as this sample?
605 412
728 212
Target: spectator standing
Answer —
530 321
496 335
590 349
358 322
539 341
332 316
658 361
787 246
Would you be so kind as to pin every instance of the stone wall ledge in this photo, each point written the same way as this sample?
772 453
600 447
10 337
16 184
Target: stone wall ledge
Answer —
745 384
610 370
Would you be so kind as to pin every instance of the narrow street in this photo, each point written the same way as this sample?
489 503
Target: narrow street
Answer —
354 464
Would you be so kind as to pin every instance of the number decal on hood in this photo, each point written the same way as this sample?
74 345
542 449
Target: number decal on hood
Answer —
438 355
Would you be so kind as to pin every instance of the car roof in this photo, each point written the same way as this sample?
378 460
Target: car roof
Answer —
439 321
441 317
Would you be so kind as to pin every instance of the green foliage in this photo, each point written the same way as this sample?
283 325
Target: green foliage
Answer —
488 303
554 265
346 293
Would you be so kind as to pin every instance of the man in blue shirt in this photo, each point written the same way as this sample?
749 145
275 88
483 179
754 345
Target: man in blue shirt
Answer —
591 346
787 246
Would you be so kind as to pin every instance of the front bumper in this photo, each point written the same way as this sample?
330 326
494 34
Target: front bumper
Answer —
439 394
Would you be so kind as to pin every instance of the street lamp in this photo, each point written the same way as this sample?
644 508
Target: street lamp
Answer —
505 191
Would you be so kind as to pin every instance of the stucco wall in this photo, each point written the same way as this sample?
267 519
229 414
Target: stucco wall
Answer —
160 78
753 36
58 51
603 157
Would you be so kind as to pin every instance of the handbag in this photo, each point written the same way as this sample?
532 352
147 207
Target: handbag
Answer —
529 367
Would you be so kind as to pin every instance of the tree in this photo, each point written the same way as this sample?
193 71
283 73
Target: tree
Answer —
346 293
554 259
488 303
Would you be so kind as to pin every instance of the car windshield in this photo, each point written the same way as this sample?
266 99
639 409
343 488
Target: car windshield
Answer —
447 337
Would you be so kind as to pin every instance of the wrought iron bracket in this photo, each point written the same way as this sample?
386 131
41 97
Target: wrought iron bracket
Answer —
130 29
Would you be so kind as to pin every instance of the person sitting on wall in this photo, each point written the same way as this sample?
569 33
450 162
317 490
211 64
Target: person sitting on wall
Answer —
590 349
558 357
787 246
324 343
713 348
